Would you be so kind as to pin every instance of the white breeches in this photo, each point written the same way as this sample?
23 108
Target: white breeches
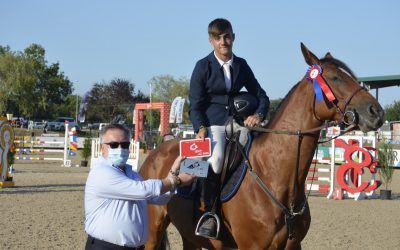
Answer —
218 142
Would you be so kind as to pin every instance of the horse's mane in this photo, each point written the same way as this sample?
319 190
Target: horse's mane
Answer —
339 64
329 60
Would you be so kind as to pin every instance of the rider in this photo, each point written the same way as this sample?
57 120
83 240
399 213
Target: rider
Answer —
215 80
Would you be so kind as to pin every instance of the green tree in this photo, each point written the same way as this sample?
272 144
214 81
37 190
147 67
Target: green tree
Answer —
392 111
164 89
106 101
18 81
4 49
68 108
29 87
53 87
273 107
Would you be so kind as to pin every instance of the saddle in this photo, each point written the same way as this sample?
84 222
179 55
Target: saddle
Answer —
234 168
232 175
233 171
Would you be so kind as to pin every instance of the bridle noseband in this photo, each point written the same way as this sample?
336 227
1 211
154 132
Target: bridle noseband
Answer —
349 113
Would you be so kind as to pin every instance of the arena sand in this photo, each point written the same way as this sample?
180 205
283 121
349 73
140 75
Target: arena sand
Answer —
45 211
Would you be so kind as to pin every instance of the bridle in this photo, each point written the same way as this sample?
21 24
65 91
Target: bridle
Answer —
345 114
290 212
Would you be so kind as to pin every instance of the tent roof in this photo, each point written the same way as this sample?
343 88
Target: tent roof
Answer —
376 82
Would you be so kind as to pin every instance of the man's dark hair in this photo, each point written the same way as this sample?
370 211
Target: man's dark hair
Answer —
114 126
219 26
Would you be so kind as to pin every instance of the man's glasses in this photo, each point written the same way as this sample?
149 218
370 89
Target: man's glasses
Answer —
114 144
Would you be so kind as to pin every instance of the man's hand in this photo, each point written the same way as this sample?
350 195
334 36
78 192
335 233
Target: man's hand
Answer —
176 165
174 178
202 134
252 120
186 179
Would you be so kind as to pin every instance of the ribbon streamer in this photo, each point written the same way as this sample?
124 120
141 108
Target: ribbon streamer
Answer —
314 74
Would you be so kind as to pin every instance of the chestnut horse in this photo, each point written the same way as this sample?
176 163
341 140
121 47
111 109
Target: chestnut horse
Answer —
279 161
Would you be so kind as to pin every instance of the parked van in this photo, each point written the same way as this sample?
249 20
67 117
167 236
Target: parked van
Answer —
59 123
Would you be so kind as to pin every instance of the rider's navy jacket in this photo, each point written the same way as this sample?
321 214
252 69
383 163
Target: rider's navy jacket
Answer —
208 96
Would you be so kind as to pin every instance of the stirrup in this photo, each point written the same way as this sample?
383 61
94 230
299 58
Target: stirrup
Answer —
202 218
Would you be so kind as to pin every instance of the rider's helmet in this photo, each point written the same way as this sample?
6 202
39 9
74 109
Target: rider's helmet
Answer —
244 104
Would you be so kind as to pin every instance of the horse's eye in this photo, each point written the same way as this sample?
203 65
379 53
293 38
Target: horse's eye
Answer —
335 78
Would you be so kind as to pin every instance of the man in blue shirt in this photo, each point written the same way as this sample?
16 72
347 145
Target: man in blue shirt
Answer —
116 197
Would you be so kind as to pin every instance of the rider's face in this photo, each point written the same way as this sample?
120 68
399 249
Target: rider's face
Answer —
223 44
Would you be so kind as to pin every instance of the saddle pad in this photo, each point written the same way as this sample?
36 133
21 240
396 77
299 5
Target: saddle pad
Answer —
233 183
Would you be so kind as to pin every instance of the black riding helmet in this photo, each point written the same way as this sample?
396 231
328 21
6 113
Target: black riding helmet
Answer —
243 104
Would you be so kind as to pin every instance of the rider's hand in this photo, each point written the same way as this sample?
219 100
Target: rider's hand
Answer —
252 120
202 134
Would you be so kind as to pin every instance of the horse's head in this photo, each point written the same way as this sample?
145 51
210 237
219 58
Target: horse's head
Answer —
339 96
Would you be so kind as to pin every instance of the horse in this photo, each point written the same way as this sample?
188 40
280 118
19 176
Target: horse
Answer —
270 210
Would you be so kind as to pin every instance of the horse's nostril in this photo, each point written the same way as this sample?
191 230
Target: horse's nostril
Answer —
371 110
374 110
377 112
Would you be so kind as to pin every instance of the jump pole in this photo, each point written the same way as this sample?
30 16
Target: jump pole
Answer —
66 162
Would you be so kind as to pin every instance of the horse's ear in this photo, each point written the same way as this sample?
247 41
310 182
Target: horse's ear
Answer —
309 56
328 56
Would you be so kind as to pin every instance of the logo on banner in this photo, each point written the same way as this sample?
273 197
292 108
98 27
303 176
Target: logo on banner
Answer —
195 167
195 148
355 169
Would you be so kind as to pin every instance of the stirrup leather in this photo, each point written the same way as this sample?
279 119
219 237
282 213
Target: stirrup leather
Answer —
202 219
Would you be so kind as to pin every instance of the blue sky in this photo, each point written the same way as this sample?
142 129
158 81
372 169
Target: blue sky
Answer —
97 41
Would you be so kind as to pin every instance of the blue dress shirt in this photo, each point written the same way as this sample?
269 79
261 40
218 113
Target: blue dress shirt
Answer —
116 204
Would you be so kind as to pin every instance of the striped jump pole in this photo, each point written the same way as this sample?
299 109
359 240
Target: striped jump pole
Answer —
29 158
38 151
65 161
38 142
326 182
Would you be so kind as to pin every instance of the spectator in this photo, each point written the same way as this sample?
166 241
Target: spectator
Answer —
116 197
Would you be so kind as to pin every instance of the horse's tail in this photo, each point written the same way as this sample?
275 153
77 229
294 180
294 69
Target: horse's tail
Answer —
164 244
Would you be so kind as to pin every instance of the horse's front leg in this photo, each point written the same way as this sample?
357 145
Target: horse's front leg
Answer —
158 223
301 229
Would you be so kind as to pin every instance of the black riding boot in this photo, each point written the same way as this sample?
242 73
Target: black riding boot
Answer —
208 227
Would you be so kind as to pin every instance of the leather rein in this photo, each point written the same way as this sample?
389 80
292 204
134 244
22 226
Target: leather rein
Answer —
290 212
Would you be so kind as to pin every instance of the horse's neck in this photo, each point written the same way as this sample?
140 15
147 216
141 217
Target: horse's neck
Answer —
295 114
297 111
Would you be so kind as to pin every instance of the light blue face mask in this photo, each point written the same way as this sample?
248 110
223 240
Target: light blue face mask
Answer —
118 156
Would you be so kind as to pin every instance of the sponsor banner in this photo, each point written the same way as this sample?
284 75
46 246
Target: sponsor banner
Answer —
195 148
324 154
179 110
172 113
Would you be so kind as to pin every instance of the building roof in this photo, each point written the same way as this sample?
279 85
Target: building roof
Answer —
376 82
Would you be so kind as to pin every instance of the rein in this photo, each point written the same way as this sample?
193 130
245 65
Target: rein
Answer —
290 213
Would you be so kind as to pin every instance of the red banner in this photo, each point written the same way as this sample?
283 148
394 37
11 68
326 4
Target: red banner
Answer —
195 148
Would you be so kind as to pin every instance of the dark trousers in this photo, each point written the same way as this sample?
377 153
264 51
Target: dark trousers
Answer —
95 244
